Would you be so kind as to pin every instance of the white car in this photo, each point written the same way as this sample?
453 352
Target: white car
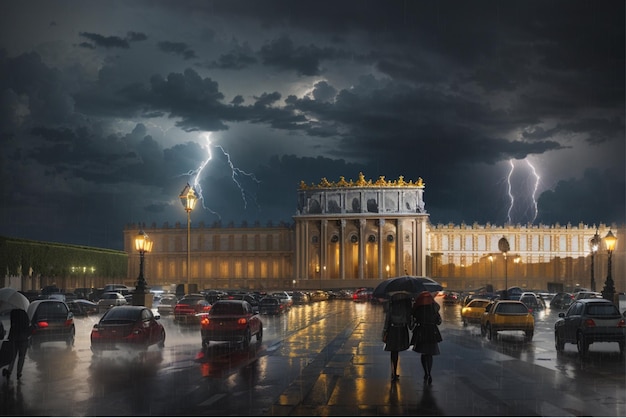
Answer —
110 299
284 298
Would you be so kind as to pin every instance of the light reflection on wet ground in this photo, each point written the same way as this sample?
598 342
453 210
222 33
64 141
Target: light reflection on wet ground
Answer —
58 381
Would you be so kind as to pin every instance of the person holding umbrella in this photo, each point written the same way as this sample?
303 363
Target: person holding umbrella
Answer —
396 329
426 335
19 334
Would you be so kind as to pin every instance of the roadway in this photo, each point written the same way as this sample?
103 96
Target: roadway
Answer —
326 359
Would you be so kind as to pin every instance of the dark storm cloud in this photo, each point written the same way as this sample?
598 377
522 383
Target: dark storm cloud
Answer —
177 48
305 60
106 41
598 196
238 58
449 91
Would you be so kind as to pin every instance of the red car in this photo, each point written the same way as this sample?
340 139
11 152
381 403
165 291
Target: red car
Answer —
188 308
233 321
131 327
362 294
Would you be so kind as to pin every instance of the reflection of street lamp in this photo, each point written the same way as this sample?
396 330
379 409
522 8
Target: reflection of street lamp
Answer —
491 265
594 243
319 275
143 244
504 247
608 292
188 199
387 268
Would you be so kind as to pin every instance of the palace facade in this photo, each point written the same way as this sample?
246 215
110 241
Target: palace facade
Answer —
351 234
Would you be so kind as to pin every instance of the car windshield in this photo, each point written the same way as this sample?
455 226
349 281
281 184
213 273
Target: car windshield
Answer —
52 310
190 301
122 315
227 309
479 303
269 302
512 308
602 310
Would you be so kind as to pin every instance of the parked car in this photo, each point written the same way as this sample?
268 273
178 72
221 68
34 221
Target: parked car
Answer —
319 295
82 307
233 321
271 306
450 298
110 299
127 327
561 300
507 315
285 298
363 294
588 321
300 298
587 295
532 301
167 304
189 306
473 311
51 320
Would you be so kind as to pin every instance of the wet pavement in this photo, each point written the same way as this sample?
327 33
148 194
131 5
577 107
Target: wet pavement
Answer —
351 379
327 360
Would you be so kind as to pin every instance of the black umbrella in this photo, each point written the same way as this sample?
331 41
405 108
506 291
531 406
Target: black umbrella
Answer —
409 285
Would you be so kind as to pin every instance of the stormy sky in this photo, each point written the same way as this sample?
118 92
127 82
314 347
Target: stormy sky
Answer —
512 112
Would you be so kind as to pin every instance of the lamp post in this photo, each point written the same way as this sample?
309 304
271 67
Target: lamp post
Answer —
608 292
188 199
504 247
594 243
143 244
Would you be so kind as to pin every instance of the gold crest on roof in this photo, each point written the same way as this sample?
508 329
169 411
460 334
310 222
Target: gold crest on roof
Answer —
361 182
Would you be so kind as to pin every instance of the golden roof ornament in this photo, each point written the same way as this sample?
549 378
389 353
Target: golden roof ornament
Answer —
361 182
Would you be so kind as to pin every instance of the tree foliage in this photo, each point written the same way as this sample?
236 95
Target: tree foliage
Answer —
18 256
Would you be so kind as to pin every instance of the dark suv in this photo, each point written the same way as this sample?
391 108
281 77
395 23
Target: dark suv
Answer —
588 321
51 320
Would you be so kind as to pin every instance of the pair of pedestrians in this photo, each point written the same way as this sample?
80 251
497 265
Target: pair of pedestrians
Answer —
17 343
422 318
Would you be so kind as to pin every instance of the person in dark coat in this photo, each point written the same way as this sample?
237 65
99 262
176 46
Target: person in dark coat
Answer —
396 330
19 333
426 335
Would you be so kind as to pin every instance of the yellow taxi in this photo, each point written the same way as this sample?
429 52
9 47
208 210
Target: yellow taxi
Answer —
473 311
507 315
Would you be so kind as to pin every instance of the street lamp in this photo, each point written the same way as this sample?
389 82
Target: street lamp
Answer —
504 247
188 199
608 292
143 244
387 268
594 243
491 265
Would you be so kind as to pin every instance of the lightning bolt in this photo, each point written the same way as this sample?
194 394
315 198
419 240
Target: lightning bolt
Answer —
511 198
535 188
533 195
236 173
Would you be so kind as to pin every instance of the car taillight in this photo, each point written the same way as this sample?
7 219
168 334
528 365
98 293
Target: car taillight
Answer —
68 322
206 308
589 323
621 324
204 321
42 324
242 321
